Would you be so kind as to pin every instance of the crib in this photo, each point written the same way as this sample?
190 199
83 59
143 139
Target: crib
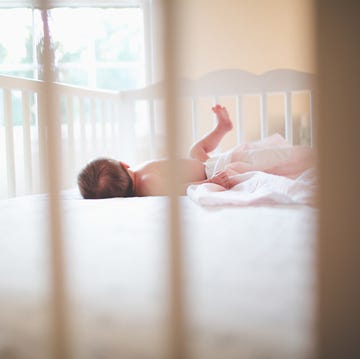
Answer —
103 123
123 278
122 316
98 286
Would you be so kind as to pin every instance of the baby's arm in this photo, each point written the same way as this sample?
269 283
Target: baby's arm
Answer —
221 178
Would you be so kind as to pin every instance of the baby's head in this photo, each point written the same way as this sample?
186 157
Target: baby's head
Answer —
105 178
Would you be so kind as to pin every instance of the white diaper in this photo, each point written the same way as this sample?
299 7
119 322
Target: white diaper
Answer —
217 163
210 165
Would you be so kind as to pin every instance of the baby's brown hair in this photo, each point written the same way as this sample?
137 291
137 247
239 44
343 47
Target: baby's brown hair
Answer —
105 178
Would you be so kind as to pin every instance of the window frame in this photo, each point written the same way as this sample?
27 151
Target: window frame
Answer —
145 5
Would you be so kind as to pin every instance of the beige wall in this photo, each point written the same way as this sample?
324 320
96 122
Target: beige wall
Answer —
254 35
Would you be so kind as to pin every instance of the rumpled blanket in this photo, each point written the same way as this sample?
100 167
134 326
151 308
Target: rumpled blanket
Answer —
270 171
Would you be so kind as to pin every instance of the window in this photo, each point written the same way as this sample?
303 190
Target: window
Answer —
17 40
95 47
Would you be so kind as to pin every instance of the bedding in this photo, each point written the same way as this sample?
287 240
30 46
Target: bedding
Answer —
248 270
269 171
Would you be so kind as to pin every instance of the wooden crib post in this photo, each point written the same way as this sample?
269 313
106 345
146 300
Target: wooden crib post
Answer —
339 189
59 329
176 339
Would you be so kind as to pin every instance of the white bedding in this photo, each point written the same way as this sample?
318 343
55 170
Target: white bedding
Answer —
268 171
249 273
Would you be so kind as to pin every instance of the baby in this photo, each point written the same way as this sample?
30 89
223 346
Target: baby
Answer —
106 178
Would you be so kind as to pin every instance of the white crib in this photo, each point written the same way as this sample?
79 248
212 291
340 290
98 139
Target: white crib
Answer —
115 268
250 287
98 123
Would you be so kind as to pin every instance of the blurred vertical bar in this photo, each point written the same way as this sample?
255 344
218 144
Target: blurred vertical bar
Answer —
338 59
176 342
59 327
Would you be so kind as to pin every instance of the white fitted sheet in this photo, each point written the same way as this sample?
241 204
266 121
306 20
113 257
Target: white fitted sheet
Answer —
249 274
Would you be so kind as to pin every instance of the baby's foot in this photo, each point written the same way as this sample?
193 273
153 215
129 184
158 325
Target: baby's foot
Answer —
223 117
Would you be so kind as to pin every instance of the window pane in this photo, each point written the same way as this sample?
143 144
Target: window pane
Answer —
121 36
73 76
93 47
16 43
108 44
20 73
119 79
72 32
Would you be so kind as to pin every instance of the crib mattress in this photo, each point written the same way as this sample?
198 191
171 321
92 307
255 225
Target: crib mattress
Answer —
249 278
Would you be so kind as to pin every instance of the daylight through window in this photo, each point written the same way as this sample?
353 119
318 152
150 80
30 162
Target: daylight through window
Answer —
94 47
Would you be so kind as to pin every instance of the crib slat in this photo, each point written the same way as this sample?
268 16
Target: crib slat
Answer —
239 119
263 116
9 140
27 142
59 328
288 118
41 122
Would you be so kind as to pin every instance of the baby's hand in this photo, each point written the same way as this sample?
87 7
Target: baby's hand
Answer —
222 179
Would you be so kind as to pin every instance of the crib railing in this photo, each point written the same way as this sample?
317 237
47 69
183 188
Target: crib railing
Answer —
89 127
237 86
241 84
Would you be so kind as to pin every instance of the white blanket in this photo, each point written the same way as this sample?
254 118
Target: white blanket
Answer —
270 171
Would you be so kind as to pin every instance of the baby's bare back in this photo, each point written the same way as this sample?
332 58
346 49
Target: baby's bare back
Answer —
151 177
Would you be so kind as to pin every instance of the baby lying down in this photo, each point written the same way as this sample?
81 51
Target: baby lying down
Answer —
106 178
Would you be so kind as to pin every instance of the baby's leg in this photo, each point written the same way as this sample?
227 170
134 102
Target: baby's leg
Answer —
201 148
